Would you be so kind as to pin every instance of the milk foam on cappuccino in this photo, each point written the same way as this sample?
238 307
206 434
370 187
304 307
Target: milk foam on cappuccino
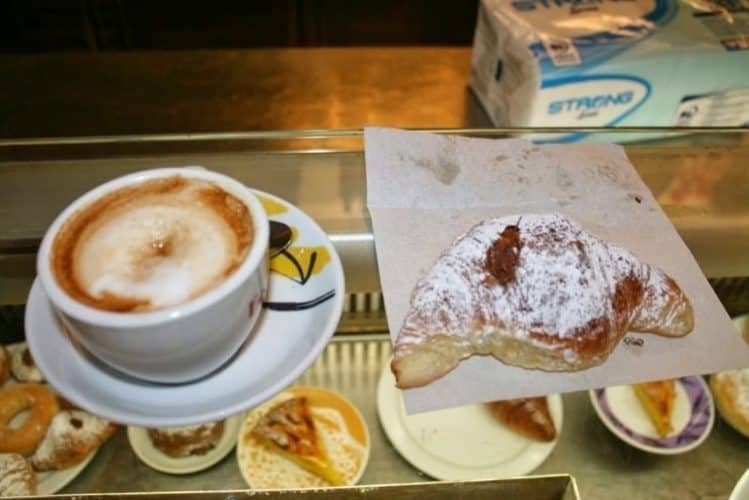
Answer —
152 245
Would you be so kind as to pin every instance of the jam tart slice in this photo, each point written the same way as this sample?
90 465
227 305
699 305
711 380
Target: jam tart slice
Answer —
289 430
657 398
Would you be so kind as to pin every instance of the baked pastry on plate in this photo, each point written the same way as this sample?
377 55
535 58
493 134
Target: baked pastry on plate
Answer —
731 391
289 429
535 291
181 442
72 436
527 416
306 437
16 476
4 365
657 398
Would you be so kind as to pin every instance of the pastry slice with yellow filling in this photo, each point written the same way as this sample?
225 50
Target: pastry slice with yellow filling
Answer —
289 430
657 398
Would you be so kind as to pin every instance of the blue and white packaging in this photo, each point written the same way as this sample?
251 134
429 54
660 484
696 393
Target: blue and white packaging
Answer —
602 63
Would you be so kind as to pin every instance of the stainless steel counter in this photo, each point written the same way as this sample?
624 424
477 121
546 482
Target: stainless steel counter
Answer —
701 183
603 466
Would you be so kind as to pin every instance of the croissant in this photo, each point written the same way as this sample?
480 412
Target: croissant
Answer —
536 291
527 416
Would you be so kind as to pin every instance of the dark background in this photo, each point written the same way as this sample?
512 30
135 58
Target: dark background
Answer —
124 25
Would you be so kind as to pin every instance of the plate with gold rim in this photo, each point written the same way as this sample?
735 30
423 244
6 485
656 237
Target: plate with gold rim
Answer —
339 426
304 304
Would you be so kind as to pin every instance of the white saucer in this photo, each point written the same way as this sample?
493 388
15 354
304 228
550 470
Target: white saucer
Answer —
741 490
460 443
742 325
144 448
282 345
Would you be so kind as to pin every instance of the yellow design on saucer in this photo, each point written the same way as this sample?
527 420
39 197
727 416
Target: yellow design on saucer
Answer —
303 256
272 207
296 262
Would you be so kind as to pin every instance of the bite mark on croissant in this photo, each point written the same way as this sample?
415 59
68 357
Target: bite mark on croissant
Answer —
539 293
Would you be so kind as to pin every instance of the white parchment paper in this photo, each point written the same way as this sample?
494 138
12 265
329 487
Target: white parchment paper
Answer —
425 190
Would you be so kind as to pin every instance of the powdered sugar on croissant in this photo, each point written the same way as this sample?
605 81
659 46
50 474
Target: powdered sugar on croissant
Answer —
536 291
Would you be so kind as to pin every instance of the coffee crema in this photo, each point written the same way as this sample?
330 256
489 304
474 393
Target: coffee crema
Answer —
152 245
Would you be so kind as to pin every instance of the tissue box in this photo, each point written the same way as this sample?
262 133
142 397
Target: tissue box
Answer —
602 63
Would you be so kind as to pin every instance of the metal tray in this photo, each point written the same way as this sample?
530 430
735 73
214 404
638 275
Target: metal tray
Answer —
552 487
604 466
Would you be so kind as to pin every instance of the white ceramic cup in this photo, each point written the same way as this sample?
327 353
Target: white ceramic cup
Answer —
177 344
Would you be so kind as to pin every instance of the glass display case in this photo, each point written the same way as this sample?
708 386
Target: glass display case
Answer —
701 181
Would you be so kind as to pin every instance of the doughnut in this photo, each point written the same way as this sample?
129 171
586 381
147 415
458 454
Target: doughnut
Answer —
42 406
4 365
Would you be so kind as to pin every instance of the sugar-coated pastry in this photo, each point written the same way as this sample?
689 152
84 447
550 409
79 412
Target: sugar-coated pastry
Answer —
41 406
22 364
527 416
4 365
180 442
16 477
71 437
536 291
731 391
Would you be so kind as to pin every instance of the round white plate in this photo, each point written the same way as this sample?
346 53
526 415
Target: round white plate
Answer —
156 459
692 418
741 490
742 325
282 345
275 472
49 482
460 443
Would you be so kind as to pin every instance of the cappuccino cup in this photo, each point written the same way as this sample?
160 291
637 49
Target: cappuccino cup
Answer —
159 274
